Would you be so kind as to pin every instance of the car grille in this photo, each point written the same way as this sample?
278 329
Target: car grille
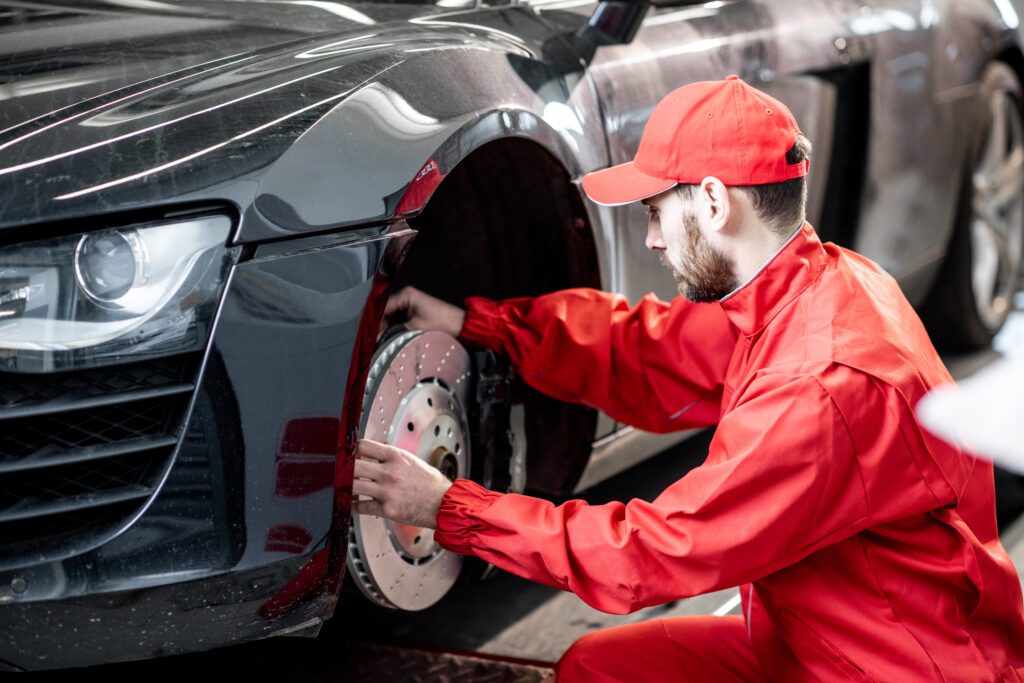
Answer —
81 452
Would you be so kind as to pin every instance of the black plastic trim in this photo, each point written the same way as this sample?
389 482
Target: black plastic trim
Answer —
66 405
87 454
85 501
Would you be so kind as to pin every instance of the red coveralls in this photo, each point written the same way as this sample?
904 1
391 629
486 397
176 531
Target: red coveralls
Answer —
865 548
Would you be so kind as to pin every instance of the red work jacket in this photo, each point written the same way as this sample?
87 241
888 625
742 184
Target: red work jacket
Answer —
865 548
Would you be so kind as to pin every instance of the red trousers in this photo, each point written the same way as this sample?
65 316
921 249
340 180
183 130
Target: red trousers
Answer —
677 649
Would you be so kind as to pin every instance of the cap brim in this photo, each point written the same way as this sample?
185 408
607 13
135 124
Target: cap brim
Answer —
623 184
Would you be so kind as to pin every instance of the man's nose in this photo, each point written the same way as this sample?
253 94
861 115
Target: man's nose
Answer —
654 242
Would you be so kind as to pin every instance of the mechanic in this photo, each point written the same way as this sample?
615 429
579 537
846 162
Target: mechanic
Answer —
865 547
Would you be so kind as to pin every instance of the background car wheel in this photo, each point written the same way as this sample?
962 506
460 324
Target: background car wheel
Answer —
974 291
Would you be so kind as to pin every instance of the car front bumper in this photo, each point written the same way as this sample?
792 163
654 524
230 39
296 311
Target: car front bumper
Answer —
245 534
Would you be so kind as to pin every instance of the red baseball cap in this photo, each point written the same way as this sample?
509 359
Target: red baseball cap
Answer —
725 129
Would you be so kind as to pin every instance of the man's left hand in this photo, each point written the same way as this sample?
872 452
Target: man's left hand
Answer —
404 488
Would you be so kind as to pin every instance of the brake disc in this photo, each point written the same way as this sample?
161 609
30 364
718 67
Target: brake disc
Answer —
416 395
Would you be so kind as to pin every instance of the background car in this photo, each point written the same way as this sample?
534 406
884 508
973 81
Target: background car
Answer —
204 206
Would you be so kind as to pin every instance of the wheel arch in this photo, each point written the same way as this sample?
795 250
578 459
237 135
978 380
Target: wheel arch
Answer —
508 221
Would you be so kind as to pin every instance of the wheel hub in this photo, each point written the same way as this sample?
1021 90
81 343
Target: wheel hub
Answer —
415 399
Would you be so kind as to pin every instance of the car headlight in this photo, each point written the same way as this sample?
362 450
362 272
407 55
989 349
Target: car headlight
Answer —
111 295
110 264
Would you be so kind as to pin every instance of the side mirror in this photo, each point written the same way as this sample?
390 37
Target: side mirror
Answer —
615 22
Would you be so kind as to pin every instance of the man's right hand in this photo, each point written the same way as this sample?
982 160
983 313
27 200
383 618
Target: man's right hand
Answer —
419 311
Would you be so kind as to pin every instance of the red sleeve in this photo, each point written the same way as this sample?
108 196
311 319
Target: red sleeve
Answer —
658 366
775 487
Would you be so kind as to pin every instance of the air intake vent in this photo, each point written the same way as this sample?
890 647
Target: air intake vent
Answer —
81 452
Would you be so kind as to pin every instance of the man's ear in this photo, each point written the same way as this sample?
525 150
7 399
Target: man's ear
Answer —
716 200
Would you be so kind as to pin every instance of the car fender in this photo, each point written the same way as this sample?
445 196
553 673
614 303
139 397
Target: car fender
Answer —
379 154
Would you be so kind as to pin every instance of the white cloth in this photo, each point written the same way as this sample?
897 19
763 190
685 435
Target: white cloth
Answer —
983 414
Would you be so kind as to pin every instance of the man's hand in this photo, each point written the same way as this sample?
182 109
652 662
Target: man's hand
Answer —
421 311
403 487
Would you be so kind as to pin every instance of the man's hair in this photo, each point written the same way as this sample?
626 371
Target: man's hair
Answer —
781 206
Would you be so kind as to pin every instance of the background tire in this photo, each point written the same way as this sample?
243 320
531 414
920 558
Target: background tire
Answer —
974 291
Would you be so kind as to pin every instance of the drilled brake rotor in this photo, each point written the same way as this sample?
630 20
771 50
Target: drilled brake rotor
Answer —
416 395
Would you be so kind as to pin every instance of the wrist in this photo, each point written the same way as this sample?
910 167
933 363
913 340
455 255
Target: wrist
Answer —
442 489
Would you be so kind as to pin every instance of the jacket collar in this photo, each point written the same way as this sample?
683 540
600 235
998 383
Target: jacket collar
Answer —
795 266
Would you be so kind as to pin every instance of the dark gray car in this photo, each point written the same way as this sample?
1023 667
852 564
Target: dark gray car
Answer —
204 206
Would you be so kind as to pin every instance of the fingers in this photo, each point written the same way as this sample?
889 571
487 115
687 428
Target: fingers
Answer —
362 487
399 305
368 472
375 450
367 475
423 312
399 301
368 469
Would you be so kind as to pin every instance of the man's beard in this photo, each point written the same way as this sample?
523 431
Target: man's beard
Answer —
706 275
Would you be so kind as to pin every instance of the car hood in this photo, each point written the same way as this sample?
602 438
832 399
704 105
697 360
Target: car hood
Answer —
58 57
120 104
